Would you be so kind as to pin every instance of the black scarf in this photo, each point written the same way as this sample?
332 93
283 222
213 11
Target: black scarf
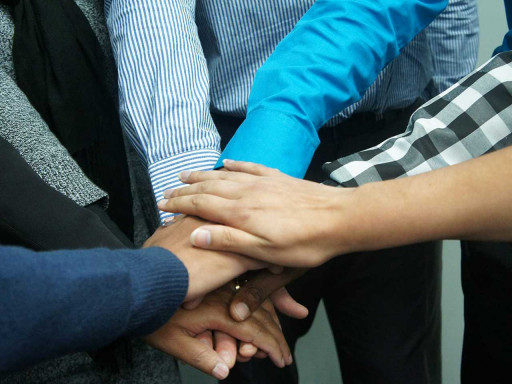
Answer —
59 65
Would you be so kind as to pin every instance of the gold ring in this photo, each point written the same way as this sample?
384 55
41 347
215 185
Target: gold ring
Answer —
239 283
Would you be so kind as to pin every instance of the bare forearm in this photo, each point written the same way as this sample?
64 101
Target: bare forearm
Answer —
471 200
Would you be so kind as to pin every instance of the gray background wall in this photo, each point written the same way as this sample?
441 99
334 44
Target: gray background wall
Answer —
316 352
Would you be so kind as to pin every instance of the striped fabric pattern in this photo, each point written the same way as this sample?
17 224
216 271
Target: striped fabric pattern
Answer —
179 59
470 119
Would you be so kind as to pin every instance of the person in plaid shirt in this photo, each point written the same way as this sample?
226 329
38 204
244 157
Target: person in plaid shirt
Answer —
463 136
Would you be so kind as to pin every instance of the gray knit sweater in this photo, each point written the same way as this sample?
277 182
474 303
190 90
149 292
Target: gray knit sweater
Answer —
21 125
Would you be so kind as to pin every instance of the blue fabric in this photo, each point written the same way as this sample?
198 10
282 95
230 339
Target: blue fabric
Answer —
179 60
507 40
321 67
54 303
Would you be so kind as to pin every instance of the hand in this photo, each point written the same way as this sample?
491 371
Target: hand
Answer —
177 336
267 215
260 286
207 270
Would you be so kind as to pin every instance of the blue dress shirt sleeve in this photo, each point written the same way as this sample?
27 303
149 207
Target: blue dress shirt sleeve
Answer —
325 64
54 303
163 87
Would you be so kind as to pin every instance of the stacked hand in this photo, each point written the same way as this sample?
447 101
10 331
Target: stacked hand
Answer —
263 214
178 336
217 339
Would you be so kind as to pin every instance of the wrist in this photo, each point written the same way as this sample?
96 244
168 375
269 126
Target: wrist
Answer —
334 225
359 214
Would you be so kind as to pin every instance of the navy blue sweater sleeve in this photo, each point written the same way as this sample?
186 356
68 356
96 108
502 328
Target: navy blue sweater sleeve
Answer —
507 40
54 303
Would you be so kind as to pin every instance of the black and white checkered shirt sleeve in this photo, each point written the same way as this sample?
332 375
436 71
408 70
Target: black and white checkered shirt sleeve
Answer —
471 118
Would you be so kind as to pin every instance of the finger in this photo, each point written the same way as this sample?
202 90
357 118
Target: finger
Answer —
260 354
269 307
199 176
287 305
225 345
270 326
247 350
275 269
252 168
257 289
193 303
221 188
206 338
241 359
259 330
196 354
224 238
208 207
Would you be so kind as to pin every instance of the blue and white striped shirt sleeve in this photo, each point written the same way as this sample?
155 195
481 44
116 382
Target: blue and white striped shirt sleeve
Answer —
163 87
453 39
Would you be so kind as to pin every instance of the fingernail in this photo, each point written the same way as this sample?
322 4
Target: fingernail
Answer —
162 203
248 349
290 359
184 175
200 238
227 161
220 371
205 341
167 193
282 362
227 357
242 310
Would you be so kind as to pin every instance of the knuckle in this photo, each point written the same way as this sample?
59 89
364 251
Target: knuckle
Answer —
197 201
200 356
255 295
227 240
202 187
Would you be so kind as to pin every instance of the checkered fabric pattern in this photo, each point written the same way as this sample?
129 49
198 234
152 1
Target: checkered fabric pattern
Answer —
471 118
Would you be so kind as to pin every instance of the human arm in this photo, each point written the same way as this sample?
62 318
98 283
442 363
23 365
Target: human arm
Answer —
23 128
24 219
163 87
326 63
54 303
468 201
469 120
207 270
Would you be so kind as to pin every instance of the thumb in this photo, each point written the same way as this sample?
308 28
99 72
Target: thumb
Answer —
224 238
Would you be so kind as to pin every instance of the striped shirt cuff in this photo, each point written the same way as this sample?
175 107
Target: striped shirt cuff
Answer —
164 173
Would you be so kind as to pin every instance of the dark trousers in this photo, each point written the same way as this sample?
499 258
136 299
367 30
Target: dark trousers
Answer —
383 307
487 286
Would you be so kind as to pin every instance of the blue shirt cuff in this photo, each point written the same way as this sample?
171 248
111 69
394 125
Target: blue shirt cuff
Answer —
275 140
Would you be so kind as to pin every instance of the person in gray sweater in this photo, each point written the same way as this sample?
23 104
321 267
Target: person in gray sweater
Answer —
22 126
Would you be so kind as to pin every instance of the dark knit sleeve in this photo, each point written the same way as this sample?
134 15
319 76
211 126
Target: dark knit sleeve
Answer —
36 216
55 303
